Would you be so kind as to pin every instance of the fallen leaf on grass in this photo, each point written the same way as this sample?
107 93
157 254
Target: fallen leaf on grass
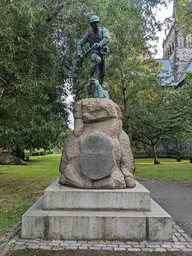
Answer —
3 236
188 185
8 253
12 243
3 201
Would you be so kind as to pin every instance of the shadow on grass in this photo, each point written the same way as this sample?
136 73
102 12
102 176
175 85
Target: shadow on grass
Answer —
31 161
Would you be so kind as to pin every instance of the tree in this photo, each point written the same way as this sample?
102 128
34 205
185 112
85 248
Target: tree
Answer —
38 57
160 114
148 110
131 68
30 70
184 15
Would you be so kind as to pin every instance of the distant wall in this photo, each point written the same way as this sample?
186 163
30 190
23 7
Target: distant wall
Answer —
167 149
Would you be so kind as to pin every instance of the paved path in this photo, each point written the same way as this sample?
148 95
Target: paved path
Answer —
175 198
181 245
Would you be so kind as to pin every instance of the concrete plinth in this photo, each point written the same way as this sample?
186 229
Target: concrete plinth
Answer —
58 197
159 223
78 224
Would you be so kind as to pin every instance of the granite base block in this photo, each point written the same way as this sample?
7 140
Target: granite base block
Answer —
58 197
34 222
96 225
159 223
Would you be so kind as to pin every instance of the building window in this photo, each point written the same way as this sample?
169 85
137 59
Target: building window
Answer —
188 39
173 46
179 41
184 41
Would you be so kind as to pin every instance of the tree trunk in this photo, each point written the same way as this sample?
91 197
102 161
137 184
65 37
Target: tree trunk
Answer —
178 157
155 154
124 98
18 152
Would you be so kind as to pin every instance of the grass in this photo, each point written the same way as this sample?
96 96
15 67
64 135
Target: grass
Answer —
21 186
169 169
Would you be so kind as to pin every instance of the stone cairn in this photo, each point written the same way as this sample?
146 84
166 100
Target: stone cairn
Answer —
98 152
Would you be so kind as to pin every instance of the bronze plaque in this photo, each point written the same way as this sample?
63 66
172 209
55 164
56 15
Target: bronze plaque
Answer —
96 157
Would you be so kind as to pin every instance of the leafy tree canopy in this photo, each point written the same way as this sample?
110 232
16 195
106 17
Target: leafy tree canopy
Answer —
38 59
30 70
184 15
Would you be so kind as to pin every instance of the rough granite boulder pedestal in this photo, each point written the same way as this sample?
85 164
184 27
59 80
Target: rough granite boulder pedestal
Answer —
98 152
93 200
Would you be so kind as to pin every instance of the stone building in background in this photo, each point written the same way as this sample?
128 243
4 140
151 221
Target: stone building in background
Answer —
177 59
177 47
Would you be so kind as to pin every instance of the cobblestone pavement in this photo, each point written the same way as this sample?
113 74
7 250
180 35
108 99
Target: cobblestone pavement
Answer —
181 243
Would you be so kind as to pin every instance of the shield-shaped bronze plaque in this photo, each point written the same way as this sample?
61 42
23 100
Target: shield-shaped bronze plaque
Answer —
96 157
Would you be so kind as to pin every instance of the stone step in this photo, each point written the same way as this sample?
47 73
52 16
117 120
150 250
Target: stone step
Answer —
96 225
59 197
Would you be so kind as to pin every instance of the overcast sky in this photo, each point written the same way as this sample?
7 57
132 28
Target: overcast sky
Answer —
161 16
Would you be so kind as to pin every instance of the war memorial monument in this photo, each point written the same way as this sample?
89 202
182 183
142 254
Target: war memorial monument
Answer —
96 196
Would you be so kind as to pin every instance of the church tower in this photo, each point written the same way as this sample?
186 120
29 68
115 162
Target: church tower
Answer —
177 46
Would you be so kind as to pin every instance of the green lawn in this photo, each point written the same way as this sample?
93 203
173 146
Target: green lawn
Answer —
169 169
20 186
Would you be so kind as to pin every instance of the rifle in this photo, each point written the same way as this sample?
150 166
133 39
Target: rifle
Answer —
104 50
86 54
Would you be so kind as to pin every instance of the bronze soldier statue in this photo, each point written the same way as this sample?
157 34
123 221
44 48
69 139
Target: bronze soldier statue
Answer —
98 39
